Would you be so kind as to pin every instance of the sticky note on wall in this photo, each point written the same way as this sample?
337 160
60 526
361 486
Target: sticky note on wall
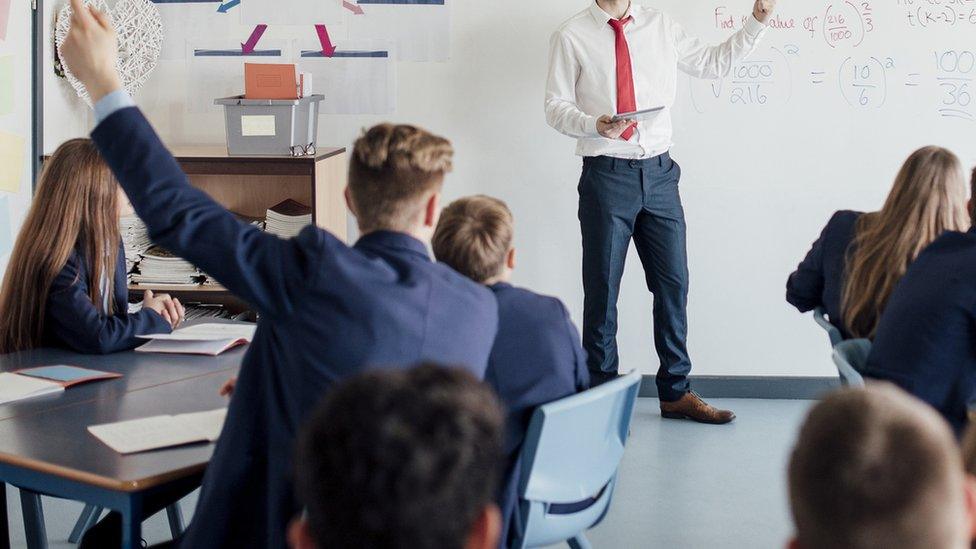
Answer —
12 151
6 84
6 231
4 17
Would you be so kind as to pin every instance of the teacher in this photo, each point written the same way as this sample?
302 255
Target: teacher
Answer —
614 58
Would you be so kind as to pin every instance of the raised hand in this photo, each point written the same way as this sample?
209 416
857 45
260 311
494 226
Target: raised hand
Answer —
90 51
763 9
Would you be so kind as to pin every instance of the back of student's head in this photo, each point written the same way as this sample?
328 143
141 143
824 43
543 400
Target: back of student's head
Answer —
394 171
877 469
474 236
402 459
76 203
928 198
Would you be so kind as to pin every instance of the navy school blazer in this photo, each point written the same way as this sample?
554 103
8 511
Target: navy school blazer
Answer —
327 311
536 359
72 321
926 338
820 278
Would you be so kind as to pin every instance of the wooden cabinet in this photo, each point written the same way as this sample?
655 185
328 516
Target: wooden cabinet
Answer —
249 185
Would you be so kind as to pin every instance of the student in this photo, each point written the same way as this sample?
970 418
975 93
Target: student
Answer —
925 338
326 310
859 258
401 459
537 357
876 469
66 283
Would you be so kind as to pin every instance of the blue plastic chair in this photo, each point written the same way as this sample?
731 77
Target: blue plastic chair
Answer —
570 459
851 357
820 317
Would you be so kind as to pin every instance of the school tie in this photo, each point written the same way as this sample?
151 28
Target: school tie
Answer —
626 101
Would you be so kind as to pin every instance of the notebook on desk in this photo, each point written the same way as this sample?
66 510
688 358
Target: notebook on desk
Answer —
15 387
157 432
209 339
46 380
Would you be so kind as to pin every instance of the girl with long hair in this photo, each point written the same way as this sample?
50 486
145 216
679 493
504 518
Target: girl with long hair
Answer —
859 258
65 284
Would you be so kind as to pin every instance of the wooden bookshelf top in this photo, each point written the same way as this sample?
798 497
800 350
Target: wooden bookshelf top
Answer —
217 153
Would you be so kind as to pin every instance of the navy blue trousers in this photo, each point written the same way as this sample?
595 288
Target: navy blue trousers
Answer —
623 200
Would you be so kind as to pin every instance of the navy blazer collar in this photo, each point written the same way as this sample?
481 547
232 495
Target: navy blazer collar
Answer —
499 286
390 240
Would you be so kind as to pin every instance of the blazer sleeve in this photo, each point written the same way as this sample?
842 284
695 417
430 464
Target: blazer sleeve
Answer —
804 288
579 355
80 325
260 268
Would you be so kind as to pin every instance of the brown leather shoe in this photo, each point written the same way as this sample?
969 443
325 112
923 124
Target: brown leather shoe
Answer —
691 406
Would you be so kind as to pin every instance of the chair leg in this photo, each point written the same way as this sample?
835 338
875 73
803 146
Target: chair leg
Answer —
89 516
30 502
175 515
580 542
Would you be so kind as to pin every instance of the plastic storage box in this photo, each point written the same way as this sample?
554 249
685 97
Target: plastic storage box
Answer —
271 127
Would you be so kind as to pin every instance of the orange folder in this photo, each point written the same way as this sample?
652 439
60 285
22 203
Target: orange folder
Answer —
270 81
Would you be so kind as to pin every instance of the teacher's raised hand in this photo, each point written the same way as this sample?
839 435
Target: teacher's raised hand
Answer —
90 51
763 9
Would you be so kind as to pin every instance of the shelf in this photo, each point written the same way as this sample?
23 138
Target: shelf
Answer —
198 289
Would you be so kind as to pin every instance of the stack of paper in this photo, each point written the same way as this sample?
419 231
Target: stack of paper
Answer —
288 218
15 387
135 240
152 433
200 339
159 266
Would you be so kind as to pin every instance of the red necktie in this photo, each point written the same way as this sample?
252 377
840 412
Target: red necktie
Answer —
626 101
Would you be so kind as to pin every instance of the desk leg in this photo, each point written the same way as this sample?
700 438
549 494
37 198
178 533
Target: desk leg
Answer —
132 524
4 524
30 502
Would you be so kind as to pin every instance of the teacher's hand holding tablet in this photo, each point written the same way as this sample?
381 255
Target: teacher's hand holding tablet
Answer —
610 127
763 9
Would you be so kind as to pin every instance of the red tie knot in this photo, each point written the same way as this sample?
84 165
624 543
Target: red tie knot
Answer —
619 24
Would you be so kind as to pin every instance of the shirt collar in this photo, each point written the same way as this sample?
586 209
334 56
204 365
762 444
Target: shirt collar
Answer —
391 240
602 17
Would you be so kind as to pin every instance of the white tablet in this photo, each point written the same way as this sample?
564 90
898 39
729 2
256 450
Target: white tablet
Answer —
637 116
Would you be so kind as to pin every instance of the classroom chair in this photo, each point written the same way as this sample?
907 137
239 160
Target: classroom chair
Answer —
820 317
569 463
851 357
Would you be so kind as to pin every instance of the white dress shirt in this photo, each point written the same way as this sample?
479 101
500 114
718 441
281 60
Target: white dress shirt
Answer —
582 83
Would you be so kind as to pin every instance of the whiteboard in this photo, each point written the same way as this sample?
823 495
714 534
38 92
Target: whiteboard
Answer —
15 120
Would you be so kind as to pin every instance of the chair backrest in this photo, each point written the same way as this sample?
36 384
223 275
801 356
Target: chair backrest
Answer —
820 317
851 357
571 454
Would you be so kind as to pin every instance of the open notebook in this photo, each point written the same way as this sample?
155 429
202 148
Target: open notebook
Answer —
200 339
153 433
45 380
15 387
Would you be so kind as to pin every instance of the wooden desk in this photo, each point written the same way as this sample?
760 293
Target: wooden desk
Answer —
45 446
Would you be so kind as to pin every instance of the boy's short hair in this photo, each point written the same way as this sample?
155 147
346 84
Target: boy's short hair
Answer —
393 167
400 459
474 236
876 468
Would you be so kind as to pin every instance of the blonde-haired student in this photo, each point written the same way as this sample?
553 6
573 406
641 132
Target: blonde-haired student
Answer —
65 284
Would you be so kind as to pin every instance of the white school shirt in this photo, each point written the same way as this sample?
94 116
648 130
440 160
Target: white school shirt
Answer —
582 84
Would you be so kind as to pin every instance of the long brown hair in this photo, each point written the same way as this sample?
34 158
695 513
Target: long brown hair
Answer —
928 198
75 206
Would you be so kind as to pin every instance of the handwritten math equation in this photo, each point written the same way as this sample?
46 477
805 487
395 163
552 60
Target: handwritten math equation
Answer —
942 79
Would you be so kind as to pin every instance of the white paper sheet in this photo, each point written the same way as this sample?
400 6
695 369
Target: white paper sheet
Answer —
421 32
292 12
359 79
208 332
15 387
152 433
216 70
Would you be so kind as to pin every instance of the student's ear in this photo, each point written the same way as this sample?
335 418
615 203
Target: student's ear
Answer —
298 535
793 544
349 202
510 259
971 505
432 211
486 530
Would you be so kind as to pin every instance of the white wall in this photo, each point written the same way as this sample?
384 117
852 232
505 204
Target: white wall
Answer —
758 182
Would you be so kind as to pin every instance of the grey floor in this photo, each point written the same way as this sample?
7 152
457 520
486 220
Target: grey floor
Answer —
681 484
